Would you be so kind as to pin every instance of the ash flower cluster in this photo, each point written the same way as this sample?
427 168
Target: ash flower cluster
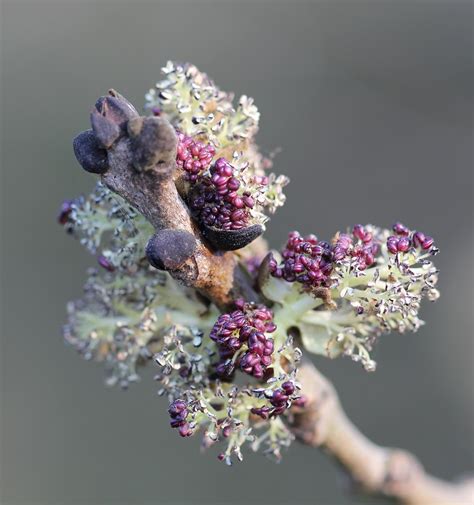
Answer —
279 399
121 319
232 374
98 329
193 156
107 227
404 239
353 289
311 262
195 105
127 305
218 202
211 130
243 339
226 414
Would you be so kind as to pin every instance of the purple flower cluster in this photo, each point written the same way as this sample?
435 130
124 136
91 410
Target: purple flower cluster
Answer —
280 399
362 246
404 239
193 156
218 202
178 412
241 337
310 261
305 259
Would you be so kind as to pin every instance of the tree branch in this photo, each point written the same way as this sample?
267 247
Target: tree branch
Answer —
136 158
380 470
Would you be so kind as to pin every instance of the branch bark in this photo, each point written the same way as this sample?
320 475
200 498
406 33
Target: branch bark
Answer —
377 470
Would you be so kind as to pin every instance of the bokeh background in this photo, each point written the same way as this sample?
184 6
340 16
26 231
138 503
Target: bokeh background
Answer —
371 104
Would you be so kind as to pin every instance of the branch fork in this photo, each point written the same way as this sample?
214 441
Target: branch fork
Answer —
136 158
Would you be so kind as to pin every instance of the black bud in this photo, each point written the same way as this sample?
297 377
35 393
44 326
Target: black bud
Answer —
110 116
89 153
169 249
106 131
231 240
116 107
154 142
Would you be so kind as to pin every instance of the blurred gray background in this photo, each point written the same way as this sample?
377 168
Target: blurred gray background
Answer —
371 103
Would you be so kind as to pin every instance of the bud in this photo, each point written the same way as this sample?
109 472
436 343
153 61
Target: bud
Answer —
169 249
90 153
109 117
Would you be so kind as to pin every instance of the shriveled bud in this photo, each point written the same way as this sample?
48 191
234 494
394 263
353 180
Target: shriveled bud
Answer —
154 143
109 117
168 249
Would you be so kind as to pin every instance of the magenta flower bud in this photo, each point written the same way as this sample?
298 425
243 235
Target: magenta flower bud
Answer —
65 211
233 184
418 238
238 202
268 347
266 361
257 371
392 244
369 258
270 327
359 231
105 263
339 253
403 244
177 407
288 387
249 201
400 229
185 430
427 243
278 398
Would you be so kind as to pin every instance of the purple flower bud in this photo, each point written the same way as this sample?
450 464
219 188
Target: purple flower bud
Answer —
177 407
392 244
105 263
359 231
185 430
418 238
65 211
427 243
403 244
400 229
